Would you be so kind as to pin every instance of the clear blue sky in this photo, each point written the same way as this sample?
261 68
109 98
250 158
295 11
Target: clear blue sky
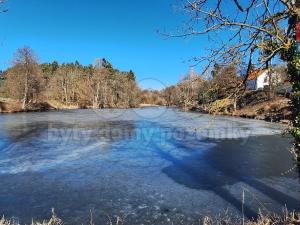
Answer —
122 31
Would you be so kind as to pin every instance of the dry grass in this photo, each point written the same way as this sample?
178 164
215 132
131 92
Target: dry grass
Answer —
268 109
53 221
57 105
13 106
286 219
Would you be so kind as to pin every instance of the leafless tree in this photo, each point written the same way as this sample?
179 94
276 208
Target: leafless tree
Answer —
24 80
252 32
249 32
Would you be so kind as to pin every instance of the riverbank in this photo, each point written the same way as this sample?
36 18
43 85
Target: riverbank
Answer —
148 105
277 110
13 106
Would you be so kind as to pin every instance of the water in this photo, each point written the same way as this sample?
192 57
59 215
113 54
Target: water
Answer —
147 166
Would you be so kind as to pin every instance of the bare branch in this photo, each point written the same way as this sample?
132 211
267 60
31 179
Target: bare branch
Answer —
238 5
2 9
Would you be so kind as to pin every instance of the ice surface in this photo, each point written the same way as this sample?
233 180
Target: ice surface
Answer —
152 166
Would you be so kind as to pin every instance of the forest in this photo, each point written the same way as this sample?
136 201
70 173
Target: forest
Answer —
67 85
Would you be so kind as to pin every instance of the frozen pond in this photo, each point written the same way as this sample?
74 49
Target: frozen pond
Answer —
147 166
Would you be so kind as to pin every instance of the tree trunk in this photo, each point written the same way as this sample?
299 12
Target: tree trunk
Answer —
271 84
235 103
97 96
294 71
65 92
25 98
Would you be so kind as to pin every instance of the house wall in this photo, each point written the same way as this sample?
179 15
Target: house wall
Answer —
262 80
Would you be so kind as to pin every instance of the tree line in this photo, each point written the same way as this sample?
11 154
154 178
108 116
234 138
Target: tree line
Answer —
222 87
194 90
68 84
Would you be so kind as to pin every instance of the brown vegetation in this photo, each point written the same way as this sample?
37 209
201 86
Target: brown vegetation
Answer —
30 86
286 219
222 93
151 98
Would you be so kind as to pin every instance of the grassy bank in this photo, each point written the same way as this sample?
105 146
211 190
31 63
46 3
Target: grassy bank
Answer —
12 106
275 110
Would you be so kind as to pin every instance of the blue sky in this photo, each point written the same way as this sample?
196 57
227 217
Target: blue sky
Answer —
122 31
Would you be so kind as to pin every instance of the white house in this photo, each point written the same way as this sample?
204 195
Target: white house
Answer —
258 79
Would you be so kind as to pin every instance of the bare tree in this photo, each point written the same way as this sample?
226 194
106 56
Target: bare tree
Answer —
250 32
253 28
97 84
23 80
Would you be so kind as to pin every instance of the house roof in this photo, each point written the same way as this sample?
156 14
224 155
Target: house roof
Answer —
256 73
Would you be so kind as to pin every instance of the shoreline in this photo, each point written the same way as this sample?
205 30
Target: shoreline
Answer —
275 111
283 122
13 107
